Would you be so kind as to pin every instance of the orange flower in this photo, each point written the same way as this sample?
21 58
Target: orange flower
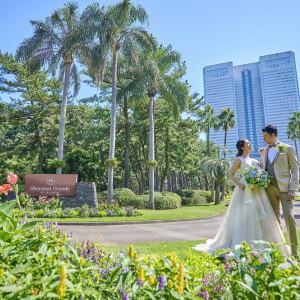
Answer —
12 178
5 188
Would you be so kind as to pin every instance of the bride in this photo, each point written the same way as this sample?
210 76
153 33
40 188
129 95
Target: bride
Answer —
246 220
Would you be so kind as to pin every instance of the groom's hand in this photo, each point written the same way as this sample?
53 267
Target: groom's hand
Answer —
290 196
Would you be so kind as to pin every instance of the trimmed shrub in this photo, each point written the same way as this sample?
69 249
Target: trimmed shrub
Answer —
122 195
193 196
164 200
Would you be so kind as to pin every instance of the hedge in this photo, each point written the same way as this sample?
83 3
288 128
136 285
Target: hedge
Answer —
194 196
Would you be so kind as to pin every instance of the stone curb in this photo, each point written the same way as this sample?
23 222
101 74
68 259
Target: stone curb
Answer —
135 222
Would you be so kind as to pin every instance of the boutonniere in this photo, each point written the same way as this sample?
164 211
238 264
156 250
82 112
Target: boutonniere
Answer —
280 148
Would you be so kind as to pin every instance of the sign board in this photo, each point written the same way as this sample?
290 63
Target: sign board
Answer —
63 185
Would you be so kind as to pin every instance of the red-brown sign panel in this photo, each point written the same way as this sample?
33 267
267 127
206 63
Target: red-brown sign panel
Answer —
51 184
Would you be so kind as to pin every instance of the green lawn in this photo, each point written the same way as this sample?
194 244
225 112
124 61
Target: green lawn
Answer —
187 212
161 248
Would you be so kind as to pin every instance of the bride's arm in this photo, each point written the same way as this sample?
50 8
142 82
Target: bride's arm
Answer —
236 164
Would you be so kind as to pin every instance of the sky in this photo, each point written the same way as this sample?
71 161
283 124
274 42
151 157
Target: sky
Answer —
205 32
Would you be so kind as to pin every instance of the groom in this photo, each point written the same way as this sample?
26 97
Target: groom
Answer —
280 161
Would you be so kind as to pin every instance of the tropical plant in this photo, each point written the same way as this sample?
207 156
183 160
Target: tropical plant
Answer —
293 128
58 42
226 120
117 30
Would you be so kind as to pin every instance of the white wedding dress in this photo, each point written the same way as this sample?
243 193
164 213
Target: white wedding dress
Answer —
247 219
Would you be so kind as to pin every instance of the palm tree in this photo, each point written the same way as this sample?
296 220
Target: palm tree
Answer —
226 120
57 42
117 31
216 167
293 130
208 121
160 74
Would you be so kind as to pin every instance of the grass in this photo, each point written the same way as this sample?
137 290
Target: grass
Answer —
187 212
161 248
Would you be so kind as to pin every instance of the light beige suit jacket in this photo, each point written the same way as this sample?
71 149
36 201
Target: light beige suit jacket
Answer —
286 168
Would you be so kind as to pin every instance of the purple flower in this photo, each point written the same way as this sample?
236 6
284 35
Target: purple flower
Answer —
255 254
227 267
205 280
124 296
251 247
261 260
161 282
220 287
139 282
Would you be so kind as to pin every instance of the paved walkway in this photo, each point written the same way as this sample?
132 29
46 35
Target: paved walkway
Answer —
157 232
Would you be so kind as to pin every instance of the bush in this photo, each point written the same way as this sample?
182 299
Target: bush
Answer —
194 196
122 195
164 200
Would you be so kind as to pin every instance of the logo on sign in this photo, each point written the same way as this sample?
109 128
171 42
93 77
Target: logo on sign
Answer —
50 180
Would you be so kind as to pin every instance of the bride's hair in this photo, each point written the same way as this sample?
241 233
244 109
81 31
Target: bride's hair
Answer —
239 145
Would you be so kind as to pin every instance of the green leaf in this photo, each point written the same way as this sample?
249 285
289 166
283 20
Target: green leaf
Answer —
4 236
30 225
152 297
8 226
247 288
114 273
11 288
7 209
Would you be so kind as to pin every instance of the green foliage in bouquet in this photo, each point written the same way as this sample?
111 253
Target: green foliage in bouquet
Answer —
256 177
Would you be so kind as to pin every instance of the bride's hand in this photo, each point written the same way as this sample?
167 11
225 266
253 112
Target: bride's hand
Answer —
242 186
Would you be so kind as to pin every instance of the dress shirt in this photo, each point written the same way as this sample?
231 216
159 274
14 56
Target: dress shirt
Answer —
272 153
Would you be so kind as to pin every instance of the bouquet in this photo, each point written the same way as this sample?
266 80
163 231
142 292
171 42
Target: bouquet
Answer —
256 177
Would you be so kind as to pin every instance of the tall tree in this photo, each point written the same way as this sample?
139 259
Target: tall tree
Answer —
226 120
293 129
38 97
117 30
57 42
160 74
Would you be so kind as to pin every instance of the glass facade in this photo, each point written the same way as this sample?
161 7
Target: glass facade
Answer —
261 93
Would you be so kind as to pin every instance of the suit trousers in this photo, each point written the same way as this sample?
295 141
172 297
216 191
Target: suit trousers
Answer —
276 196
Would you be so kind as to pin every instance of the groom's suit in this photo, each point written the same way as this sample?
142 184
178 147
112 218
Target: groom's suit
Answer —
285 171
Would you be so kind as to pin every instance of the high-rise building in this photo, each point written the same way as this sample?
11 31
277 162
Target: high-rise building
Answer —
260 93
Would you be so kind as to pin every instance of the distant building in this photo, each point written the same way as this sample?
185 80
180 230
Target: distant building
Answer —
261 93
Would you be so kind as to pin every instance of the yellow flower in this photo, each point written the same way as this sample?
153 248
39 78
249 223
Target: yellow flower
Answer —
244 243
293 258
1 272
135 256
180 285
64 237
170 284
151 279
82 261
194 275
14 279
173 260
50 258
40 229
272 245
62 283
150 257
97 276
63 248
141 274
131 253
175 277
58 233
287 272
52 226
298 273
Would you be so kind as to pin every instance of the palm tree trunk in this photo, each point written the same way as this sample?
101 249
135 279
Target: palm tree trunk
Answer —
156 187
223 184
112 141
296 147
151 152
208 148
212 197
217 199
63 114
127 151
163 178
